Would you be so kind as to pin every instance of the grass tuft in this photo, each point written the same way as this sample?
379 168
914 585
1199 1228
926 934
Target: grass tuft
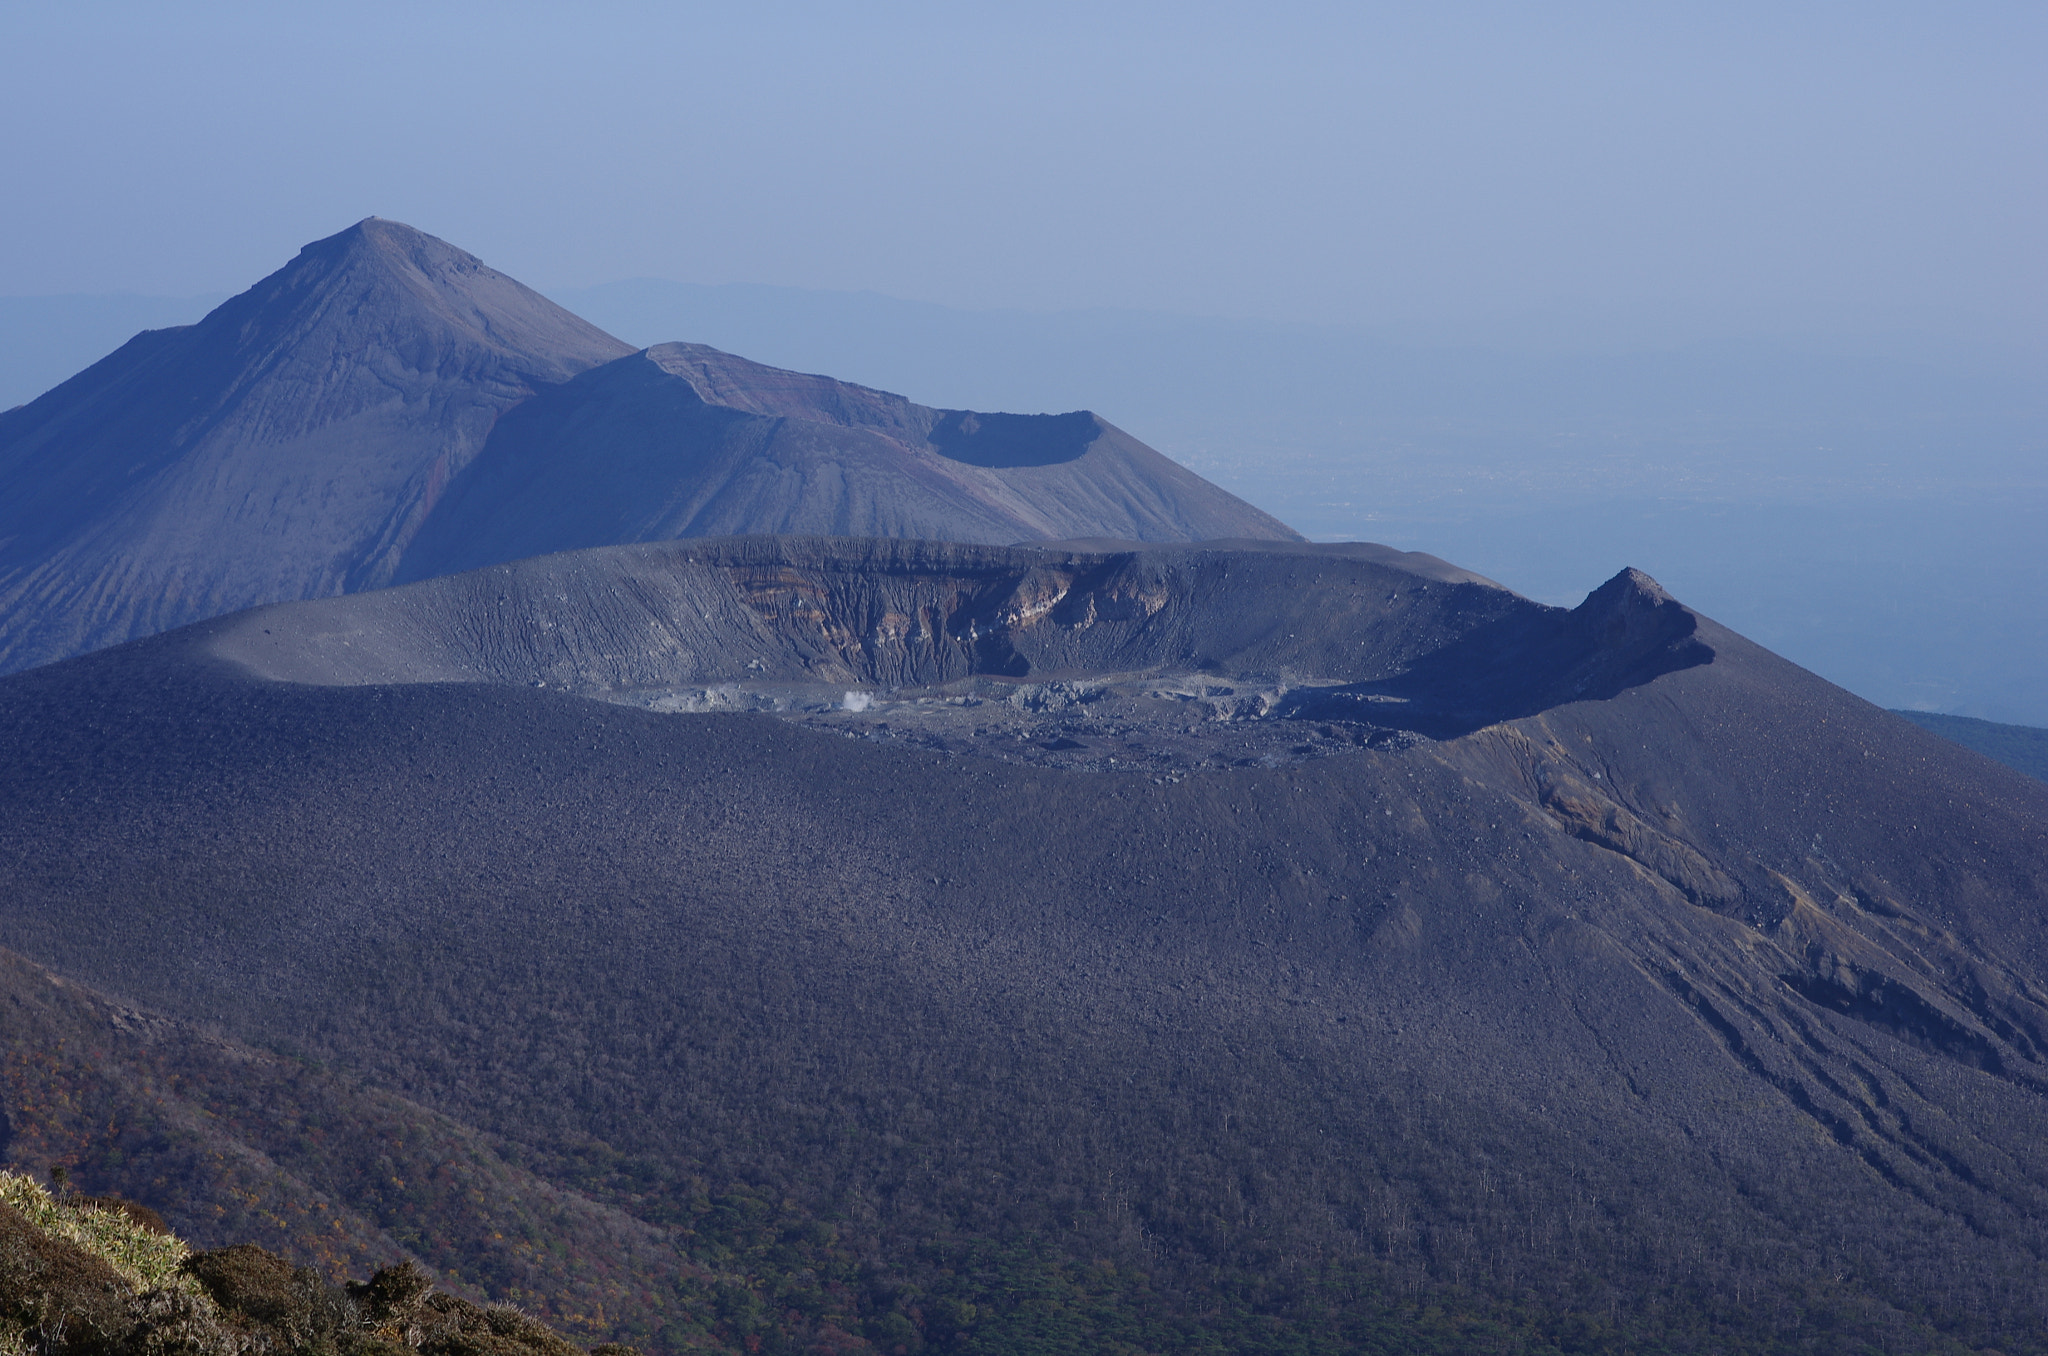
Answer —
145 1259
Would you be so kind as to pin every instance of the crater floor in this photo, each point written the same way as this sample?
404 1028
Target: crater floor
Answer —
1161 725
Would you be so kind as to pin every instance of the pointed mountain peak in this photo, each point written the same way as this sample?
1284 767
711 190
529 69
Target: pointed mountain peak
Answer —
377 229
1630 590
384 228
288 445
1642 583
396 243
1632 610
382 282
1635 630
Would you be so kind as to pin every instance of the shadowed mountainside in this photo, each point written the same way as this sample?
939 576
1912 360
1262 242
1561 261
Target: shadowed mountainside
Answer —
1632 971
685 441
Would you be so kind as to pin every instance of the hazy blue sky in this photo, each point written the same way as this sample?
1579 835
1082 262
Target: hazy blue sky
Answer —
1638 171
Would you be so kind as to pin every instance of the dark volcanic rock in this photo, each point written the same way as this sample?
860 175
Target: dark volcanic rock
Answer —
1666 960
685 441
289 445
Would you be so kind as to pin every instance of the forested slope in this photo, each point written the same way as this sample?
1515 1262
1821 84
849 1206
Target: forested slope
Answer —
1704 1008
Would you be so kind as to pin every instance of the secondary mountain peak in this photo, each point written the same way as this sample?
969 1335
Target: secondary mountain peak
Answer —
969 436
1631 584
384 282
682 440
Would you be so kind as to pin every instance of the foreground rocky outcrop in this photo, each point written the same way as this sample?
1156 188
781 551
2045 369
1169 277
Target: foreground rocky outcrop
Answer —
104 1277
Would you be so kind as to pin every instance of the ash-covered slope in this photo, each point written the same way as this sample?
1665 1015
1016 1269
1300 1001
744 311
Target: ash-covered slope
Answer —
1598 958
289 445
685 441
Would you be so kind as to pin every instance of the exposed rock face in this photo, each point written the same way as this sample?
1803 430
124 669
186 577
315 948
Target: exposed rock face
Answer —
685 441
950 918
289 445
888 613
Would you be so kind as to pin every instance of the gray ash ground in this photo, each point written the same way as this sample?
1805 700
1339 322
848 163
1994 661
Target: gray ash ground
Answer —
1161 725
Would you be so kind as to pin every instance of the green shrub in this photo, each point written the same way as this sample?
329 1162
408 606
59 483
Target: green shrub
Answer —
98 1278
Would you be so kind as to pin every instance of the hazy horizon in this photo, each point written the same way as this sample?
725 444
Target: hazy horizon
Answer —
1751 298
1590 172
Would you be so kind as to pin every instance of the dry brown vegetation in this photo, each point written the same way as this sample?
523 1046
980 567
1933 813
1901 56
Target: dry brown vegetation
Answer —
93 1277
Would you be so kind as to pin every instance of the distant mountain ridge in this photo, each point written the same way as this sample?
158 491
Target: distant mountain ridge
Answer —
296 441
681 440
2023 748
